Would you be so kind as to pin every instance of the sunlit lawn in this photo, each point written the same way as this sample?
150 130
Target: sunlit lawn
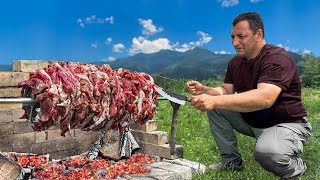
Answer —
199 146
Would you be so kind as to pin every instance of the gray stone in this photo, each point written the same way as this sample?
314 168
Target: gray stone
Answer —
197 168
162 150
30 65
9 92
10 106
151 137
162 174
151 125
155 173
184 171
135 177
23 126
12 79
111 145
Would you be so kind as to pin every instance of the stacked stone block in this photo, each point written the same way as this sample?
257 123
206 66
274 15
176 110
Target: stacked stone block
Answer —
154 142
17 134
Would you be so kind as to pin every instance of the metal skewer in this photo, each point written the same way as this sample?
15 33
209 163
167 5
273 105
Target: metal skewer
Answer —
22 100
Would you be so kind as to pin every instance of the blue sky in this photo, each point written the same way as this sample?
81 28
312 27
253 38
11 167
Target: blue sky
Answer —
94 30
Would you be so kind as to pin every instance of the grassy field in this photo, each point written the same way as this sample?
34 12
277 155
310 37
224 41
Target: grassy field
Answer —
199 146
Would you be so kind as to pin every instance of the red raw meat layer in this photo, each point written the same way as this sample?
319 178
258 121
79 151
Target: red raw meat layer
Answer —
91 97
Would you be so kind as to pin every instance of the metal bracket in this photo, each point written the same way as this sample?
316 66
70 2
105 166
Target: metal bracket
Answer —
30 105
175 113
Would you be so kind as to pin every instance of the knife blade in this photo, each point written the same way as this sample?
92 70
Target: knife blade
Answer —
172 96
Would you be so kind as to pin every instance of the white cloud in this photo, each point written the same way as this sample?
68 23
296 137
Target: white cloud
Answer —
93 19
306 51
295 50
255 1
108 40
79 21
228 3
204 39
148 27
140 38
285 47
118 48
222 52
94 45
109 19
143 45
184 47
111 58
302 52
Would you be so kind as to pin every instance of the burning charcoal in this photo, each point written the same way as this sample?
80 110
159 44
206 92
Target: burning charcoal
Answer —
79 167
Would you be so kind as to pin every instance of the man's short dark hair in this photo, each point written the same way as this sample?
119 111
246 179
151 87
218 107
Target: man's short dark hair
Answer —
254 20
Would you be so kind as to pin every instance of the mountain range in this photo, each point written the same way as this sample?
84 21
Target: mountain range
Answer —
5 67
197 63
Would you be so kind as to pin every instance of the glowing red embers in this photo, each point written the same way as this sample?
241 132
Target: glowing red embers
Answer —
79 167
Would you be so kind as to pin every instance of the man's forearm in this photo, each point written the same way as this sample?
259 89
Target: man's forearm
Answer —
256 99
241 102
217 91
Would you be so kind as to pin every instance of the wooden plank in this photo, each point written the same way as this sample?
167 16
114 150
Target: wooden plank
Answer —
8 169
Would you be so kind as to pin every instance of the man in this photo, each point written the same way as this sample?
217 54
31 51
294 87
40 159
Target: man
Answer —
260 97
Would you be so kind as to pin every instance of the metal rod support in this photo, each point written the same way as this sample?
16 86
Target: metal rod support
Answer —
18 100
175 114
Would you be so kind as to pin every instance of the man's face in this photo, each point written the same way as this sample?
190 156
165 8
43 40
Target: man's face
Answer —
243 40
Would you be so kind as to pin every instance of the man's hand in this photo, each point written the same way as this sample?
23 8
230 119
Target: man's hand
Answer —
195 87
256 99
203 102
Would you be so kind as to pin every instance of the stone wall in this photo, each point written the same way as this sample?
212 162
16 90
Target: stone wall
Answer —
16 134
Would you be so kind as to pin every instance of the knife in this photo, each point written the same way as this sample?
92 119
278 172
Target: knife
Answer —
172 96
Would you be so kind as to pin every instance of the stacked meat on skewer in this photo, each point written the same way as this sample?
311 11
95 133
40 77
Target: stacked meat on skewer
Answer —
90 97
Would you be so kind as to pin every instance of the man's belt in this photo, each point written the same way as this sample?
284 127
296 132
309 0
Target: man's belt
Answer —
303 119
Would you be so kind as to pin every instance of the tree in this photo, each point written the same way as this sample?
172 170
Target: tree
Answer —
311 71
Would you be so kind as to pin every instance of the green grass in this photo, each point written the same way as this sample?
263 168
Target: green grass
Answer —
199 146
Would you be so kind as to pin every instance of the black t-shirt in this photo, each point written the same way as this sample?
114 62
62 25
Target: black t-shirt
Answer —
273 65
